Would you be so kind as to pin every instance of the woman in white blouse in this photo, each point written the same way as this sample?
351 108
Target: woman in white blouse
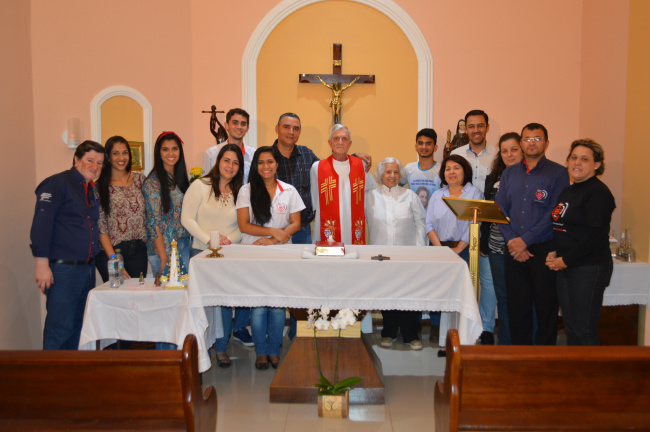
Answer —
396 217
268 211
209 205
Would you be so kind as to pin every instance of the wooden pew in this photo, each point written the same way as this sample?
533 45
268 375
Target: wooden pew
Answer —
105 390
541 388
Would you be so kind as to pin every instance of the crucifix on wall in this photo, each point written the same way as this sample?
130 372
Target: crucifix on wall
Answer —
337 82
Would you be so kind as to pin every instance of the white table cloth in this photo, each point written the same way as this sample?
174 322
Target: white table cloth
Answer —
415 278
630 284
144 313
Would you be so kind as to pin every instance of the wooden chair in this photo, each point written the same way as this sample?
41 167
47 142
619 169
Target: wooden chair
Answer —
541 388
105 390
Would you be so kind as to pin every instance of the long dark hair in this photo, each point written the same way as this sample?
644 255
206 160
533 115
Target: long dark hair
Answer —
260 198
180 171
214 175
498 166
107 172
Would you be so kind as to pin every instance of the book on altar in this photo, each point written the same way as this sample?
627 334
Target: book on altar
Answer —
329 247
175 274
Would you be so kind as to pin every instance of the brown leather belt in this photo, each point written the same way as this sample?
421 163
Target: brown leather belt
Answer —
451 244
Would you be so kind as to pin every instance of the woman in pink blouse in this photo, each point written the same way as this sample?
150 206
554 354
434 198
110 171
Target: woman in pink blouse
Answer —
122 211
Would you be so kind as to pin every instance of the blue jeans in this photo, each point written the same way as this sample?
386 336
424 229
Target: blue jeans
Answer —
497 265
65 304
267 325
303 236
580 292
465 255
488 299
183 249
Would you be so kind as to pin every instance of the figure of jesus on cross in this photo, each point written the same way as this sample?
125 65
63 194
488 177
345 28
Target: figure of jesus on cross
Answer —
336 82
336 103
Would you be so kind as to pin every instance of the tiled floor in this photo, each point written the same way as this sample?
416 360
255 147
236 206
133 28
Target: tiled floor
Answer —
409 379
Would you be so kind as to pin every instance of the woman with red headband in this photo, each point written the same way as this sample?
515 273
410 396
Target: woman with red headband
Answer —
163 192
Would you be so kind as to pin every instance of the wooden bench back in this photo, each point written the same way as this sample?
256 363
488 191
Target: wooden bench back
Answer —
534 388
106 387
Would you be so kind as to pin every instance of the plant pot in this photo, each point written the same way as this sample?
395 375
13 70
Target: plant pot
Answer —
337 406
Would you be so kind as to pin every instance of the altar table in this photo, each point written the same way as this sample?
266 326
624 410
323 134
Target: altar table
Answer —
143 313
415 278
630 284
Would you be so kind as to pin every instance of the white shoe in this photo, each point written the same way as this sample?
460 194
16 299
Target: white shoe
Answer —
415 345
387 341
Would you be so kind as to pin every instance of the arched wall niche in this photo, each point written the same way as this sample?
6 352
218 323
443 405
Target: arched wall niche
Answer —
387 7
147 120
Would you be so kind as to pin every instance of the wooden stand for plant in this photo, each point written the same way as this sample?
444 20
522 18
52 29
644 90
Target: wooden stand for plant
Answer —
298 373
336 406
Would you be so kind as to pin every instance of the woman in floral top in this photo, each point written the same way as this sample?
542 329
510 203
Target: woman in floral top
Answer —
121 211
163 191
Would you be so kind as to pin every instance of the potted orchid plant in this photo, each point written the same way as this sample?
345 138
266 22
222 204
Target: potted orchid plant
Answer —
333 396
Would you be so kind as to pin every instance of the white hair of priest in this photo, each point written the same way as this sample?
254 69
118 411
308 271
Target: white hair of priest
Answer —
339 126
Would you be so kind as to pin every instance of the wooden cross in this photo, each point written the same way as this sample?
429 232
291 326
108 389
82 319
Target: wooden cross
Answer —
336 81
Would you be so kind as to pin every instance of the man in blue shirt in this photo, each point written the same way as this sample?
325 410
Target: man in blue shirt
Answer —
527 195
65 241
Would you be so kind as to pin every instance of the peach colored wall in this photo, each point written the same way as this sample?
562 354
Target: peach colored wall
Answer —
372 43
520 60
517 60
122 116
220 31
636 176
602 87
20 311
81 47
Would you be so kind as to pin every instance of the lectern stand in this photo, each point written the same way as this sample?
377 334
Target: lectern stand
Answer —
476 211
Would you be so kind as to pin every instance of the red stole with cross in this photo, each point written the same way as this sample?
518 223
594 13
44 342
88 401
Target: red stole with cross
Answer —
328 198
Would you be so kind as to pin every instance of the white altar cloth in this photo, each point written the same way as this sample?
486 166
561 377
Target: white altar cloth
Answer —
415 278
630 284
143 313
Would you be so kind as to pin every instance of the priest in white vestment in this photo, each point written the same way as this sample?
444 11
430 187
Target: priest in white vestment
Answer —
338 187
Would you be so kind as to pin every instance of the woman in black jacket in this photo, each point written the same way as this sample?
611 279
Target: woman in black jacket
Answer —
581 238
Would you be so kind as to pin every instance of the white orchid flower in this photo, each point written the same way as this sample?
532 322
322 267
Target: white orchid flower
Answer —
322 324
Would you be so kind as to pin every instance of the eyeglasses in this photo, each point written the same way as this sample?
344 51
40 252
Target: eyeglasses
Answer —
533 139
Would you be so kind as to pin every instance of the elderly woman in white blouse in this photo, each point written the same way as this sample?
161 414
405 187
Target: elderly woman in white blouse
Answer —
396 217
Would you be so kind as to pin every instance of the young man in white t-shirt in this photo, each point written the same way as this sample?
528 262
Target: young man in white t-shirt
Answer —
237 124
423 177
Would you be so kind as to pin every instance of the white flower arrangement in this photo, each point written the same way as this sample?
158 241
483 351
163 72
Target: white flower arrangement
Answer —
319 320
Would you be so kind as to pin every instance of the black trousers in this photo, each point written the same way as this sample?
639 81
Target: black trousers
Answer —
529 285
135 259
580 291
407 321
